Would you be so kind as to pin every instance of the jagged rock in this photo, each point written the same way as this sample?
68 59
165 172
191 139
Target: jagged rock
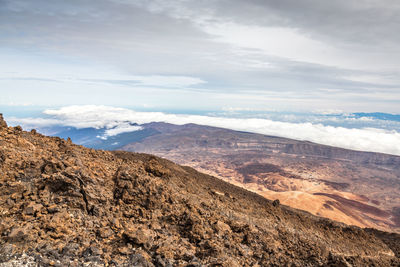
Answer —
139 235
17 234
33 209
222 227
139 260
3 123
66 205
18 128
276 203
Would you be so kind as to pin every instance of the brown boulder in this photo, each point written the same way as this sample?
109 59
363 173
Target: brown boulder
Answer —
139 235
18 234
32 209
222 228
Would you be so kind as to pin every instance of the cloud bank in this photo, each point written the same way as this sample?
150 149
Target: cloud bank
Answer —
285 54
119 120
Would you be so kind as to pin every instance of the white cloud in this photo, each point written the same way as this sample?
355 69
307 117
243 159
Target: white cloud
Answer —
328 111
118 120
277 41
86 73
376 79
168 81
112 125
34 122
121 129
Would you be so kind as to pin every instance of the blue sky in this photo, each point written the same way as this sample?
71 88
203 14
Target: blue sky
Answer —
302 55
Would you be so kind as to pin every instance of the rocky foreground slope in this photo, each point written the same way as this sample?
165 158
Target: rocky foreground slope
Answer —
66 205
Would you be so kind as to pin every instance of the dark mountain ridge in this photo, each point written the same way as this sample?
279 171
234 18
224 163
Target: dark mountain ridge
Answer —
286 145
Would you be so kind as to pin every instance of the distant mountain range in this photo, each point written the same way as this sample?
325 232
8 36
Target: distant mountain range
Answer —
379 116
94 138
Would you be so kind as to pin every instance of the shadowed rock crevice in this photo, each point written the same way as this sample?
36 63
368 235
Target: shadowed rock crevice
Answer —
89 208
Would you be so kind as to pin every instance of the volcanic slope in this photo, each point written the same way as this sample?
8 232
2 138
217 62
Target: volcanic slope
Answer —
353 187
66 205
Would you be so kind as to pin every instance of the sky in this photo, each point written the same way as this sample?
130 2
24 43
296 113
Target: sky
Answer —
298 55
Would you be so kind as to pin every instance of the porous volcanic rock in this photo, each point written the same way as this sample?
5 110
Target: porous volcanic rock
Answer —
66 205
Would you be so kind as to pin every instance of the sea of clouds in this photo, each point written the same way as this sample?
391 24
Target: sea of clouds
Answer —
119 120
